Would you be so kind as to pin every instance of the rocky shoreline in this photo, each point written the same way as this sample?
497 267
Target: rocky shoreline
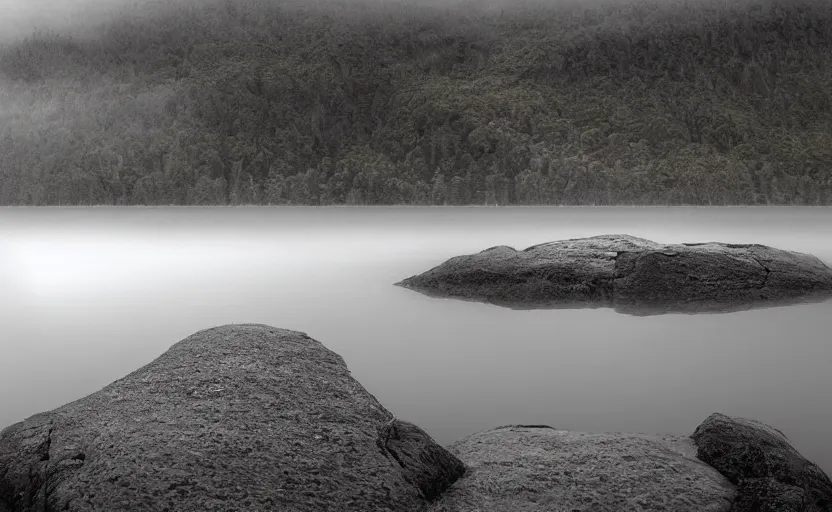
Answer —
632 275
256 418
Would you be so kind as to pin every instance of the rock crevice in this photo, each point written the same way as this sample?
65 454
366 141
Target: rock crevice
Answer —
430 468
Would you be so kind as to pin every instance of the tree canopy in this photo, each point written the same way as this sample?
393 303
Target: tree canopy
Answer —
333 102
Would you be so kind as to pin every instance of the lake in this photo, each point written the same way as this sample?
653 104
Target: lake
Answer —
90 294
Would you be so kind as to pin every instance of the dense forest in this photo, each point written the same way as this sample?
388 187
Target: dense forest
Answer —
357 102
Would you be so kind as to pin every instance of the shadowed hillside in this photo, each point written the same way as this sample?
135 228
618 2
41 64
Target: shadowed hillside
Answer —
561 102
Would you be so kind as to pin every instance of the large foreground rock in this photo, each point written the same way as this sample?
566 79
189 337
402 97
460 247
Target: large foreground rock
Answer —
242 417
525 469
631 274
771 475
254 418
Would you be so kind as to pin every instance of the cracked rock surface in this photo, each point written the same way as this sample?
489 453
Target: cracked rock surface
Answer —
234 418
632 275
526 469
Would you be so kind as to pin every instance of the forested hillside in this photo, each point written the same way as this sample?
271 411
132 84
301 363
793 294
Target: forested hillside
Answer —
350 102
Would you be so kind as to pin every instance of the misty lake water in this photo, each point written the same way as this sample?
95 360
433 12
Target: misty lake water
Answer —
88 295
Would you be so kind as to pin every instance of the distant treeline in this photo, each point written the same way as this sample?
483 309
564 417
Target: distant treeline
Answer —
563 102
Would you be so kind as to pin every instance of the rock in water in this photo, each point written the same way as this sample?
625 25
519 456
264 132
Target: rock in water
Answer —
525 469
240 417
633 275
771 475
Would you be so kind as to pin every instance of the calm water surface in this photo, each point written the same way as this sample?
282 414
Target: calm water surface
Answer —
88 295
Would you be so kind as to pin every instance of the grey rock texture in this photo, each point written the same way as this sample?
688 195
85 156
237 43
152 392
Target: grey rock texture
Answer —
771 475
632 275
234 418
522 469
255 418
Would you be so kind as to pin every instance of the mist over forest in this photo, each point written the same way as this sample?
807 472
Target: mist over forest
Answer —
601 102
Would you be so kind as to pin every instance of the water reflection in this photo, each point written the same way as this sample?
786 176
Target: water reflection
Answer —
89 295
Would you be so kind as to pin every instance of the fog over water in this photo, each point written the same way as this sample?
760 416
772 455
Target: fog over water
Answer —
88 295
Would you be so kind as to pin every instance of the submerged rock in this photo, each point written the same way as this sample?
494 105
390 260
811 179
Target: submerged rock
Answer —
240 417
771 475
522 469
632 275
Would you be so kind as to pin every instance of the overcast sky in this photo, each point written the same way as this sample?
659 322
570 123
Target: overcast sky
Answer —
21 17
